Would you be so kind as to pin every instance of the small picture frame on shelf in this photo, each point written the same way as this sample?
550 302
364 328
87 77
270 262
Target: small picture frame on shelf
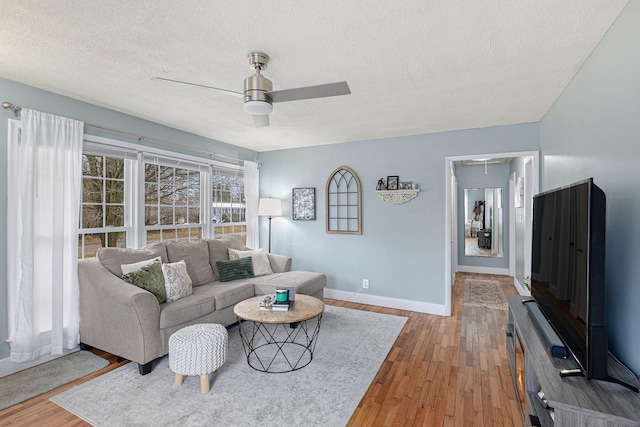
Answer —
392 182
406 185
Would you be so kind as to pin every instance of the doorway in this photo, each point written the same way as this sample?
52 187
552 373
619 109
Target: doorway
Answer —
519 266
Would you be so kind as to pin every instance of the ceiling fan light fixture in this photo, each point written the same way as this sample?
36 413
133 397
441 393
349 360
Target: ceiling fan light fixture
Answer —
258 107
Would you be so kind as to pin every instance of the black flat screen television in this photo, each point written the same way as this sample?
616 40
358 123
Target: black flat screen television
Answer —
567 270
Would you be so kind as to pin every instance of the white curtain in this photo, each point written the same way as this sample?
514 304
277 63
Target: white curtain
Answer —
251 195
44 188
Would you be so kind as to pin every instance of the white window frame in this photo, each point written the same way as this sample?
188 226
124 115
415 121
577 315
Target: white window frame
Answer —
222 225
135 155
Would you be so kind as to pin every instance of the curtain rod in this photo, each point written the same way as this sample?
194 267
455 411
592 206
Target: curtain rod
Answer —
16 109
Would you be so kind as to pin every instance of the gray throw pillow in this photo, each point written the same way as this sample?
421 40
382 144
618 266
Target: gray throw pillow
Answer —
149 278
235 269
196 255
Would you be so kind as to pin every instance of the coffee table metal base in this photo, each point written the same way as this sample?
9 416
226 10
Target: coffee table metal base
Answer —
279 347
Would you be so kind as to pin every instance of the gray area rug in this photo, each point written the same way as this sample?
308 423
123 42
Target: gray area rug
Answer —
350 349
23 385
484 293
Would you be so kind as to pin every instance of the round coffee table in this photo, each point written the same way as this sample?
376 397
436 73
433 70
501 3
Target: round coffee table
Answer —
279 341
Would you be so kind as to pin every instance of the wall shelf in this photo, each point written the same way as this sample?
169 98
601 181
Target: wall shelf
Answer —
397 197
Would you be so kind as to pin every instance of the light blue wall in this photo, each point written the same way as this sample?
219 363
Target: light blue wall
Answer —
402 248
473 176
593 130
48 102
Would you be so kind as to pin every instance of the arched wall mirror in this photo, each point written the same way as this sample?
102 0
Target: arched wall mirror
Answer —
483 222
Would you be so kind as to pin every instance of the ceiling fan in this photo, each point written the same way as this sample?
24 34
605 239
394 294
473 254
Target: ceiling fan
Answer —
259 96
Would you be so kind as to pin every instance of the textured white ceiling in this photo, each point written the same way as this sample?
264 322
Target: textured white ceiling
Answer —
414 66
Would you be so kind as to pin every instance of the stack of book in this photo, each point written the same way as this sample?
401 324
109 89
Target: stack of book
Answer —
269 301
281 306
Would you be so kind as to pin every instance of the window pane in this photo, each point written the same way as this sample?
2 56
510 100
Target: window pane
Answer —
92 165
194 216
153 236
166 175
92 216
91 190
92 242
193 193
166 215
150 215
151 193
88 244
114 191
114 168
196 233
115 240
168 235
150 173
181 187
181 215
166 194
114 216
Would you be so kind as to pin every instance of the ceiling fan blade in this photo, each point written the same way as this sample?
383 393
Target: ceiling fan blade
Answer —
230 92
261 120
309 92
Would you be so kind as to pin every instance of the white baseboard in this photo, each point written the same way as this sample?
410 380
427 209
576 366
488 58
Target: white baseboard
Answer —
522 290
401 304
483 270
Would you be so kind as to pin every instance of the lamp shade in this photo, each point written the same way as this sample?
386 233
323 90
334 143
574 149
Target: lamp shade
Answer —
270 207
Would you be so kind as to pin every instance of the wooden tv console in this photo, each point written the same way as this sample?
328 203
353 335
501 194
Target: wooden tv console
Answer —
565 401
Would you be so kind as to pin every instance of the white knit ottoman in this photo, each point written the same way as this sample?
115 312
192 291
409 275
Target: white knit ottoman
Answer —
198 350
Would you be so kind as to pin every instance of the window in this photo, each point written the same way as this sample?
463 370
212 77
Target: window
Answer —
228 214
171 203
103 219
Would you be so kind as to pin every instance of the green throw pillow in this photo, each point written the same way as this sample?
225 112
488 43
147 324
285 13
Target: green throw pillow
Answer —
149 278
235 269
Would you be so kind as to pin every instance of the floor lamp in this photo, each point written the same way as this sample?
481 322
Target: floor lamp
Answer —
270 207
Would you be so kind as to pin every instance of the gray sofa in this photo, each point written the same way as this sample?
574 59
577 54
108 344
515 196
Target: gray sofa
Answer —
128 321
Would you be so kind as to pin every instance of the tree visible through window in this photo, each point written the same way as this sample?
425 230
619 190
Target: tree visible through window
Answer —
172 203
102 214
228 203
172 197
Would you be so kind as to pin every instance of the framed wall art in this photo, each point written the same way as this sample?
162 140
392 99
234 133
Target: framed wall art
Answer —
304 204
392 182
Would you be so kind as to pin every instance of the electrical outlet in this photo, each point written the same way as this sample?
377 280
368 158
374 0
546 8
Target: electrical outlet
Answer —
365 283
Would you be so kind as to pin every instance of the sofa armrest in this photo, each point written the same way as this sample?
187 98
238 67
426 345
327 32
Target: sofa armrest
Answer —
279 263
116 316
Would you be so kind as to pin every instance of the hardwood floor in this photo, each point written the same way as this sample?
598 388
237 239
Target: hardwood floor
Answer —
441 371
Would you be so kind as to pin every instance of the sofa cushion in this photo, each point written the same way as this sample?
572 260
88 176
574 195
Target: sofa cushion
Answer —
150 278
305 282
185 310
196 255
113 258
227 294
177 282
219 250
260 261
235 269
